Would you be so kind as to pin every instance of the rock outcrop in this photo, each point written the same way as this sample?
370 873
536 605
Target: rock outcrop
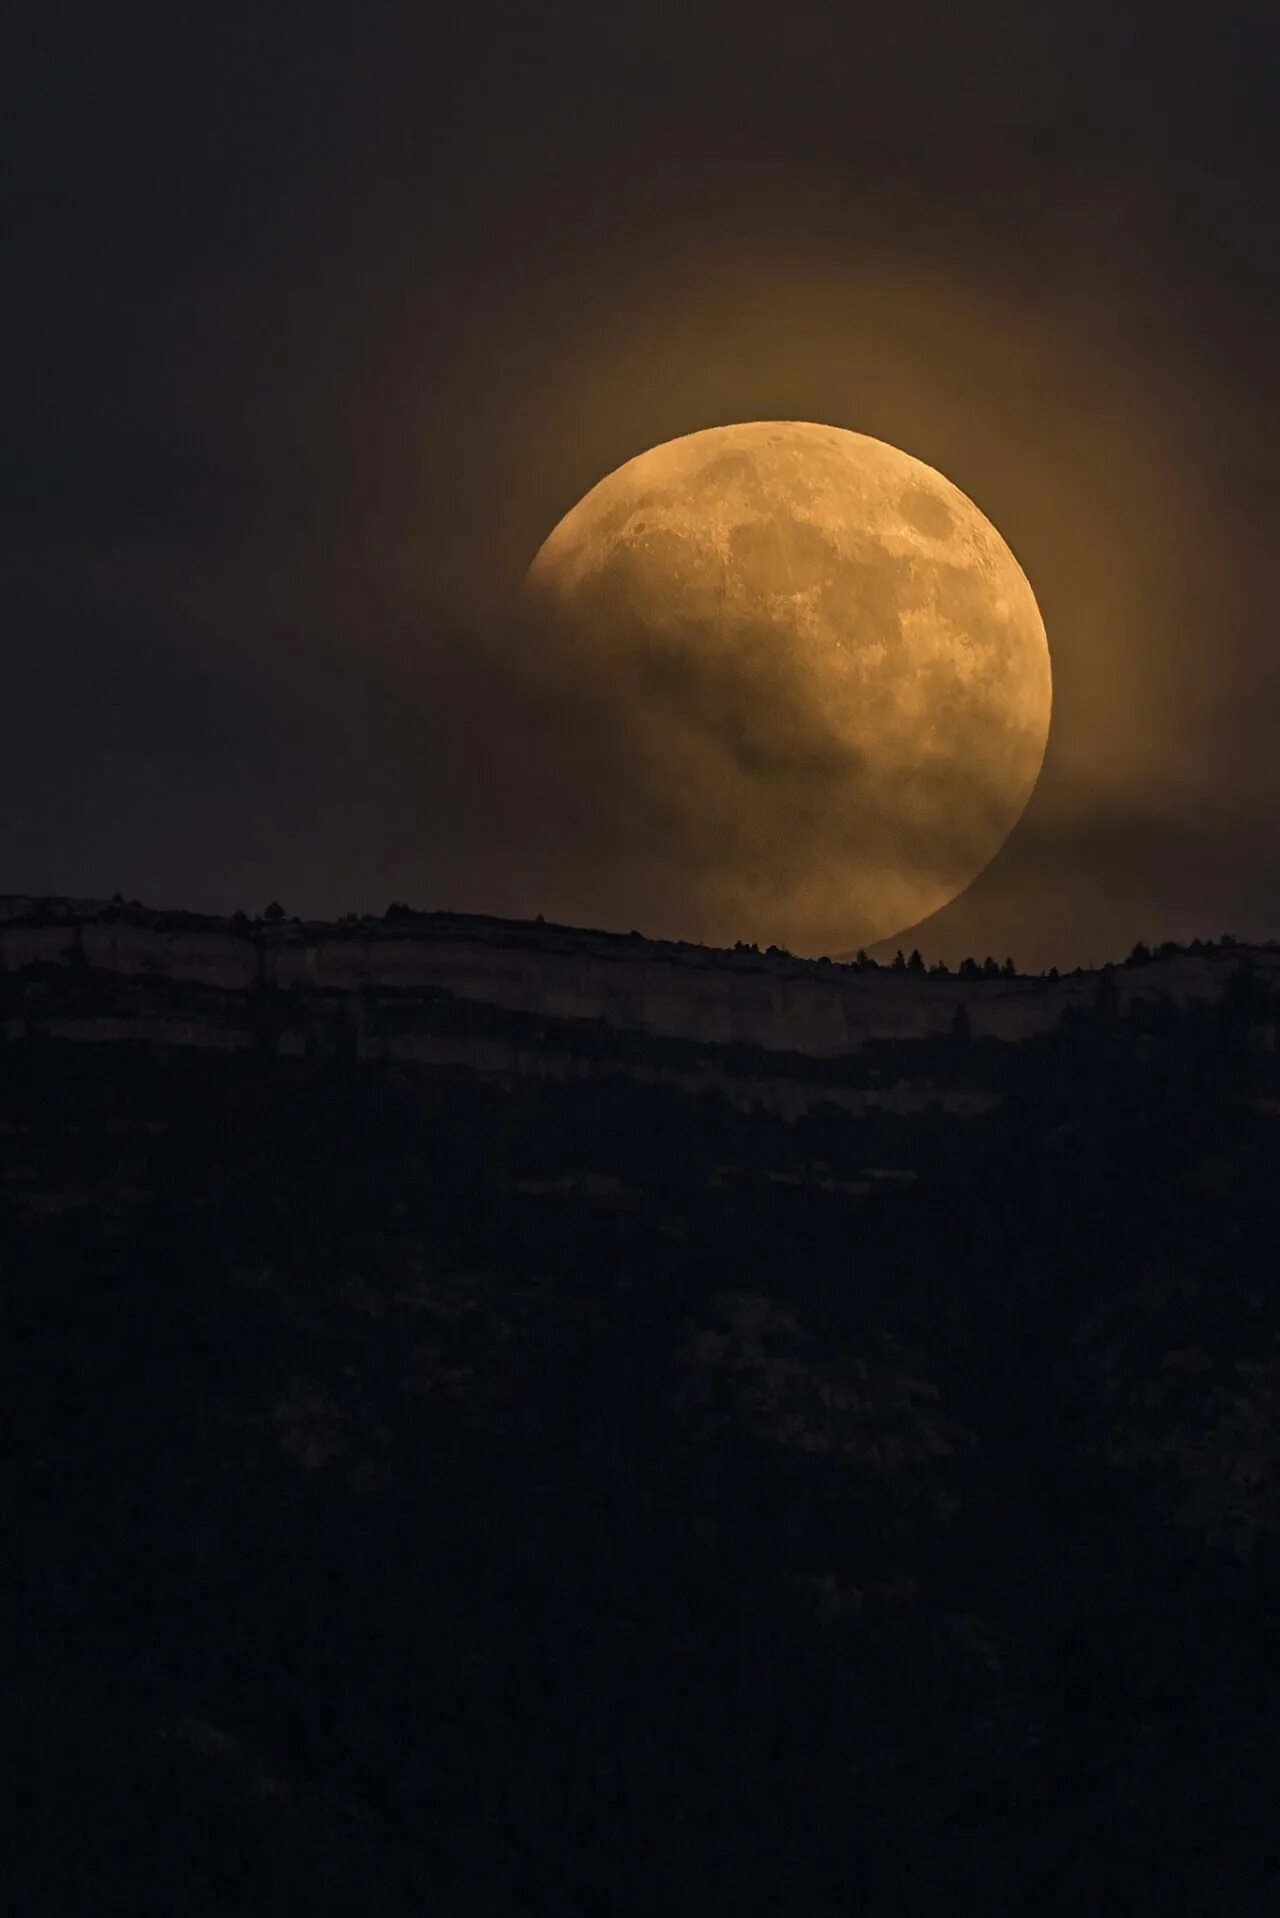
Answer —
518 999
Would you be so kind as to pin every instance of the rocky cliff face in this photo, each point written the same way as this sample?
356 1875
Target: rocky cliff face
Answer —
671 989
514 1000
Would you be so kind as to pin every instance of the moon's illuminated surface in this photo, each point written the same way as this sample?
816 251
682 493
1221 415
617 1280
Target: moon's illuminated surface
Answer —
814 678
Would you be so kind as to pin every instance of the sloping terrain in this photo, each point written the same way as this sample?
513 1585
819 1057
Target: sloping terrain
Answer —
432 1492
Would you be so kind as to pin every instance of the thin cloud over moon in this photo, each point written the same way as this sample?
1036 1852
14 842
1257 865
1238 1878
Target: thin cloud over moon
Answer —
814 678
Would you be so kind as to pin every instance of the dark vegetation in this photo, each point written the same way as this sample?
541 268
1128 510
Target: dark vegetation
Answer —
572 1499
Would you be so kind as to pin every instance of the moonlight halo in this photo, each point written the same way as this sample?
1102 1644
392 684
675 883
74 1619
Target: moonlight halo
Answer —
817 678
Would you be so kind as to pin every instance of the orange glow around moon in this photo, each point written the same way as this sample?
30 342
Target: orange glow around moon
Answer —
817 677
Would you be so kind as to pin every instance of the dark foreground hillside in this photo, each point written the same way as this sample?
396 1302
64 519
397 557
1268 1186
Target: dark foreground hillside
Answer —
433 1497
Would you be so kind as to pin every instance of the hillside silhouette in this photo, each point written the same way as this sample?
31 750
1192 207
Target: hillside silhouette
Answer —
442 1483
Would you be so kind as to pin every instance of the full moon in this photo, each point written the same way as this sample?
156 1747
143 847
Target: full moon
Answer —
810 681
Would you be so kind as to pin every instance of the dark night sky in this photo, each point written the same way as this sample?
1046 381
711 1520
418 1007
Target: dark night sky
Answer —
317 320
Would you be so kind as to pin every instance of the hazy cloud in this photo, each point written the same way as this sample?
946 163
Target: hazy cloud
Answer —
305 353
